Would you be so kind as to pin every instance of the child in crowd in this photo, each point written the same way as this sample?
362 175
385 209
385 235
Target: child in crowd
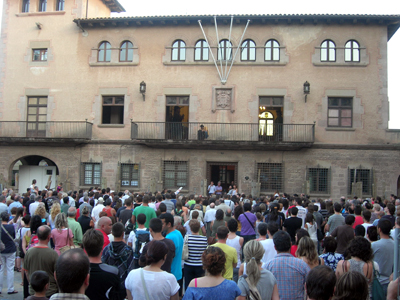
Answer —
40 283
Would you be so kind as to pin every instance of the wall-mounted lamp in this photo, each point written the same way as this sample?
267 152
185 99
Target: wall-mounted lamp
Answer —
306 89
143 89
39 25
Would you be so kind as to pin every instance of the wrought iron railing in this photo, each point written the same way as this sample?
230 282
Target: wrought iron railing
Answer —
285 133
47 129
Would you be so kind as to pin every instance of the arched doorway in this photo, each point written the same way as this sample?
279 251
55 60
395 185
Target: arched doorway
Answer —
27 168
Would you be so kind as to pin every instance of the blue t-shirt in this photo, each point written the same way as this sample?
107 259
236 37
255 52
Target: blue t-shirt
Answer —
176 267
226 290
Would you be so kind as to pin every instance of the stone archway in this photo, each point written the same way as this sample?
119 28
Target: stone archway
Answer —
41 168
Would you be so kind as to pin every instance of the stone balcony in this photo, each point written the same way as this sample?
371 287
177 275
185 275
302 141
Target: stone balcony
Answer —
51 133
219 136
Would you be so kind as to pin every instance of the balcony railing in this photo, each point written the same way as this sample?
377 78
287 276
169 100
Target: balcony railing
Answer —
46 130
240 132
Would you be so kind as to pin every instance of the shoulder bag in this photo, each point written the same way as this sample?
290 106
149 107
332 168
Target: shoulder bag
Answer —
253 294
144 285
185 250
16 242
377 289
67 246
252 226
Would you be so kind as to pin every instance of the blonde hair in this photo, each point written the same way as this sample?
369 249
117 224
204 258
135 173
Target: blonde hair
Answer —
40 211
55 210
253 253
306 248
61 221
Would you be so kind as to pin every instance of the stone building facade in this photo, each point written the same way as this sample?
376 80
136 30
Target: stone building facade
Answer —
294 103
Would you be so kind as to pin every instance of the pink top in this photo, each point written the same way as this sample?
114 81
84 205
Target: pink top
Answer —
60 238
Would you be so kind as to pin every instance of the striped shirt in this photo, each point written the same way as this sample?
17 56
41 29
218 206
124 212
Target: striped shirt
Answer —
196 244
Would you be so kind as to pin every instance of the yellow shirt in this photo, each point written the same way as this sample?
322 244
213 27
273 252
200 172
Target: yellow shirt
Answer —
231 258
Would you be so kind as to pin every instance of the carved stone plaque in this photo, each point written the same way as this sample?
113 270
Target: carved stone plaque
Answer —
223 98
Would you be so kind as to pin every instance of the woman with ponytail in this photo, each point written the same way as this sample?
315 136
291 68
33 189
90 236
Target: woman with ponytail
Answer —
151 282
255 279
213 285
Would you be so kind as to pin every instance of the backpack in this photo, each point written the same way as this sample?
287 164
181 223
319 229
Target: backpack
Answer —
142 238
128 227
34 240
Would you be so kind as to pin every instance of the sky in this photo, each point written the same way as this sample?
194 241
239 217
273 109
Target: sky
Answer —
212 7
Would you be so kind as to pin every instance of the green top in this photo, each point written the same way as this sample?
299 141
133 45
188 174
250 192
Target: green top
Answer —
76 231
148 211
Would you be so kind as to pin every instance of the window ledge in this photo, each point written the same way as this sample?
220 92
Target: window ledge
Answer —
110 64
41 13
111 125
210 63
336 64
339 129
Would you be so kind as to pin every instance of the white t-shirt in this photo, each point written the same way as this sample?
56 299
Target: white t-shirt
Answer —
132 238
270 251
96 211
366 225
159 285
301 214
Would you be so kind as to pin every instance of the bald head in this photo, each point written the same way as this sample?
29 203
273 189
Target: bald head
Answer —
72 212
105 224
43 233
212 205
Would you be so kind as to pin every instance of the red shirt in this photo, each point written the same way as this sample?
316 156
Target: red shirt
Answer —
106 239
359 221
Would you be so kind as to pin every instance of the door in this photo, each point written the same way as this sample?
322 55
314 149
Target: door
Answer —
224 172
177 118
37 116
270 119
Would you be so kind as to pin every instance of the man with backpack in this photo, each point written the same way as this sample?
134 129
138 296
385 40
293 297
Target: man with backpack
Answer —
138 238
120 255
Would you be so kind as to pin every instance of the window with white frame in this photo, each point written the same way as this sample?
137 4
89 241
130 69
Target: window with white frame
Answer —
224 50
91 173
248 51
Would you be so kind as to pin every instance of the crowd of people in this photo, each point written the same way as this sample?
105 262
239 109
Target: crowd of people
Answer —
101 244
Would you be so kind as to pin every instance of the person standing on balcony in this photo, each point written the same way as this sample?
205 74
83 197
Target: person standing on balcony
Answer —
211 188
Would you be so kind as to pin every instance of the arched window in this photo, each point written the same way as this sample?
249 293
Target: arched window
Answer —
225 50
272 50
179 50
42 5
104 52
266 126
248 50
352 51
328 51
126 51
25 6
201 50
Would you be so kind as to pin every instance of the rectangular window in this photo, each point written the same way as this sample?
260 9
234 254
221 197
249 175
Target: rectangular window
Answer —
60 5
39 54
319 179
360 175
340 112
91 174
42 5
270 175
113 110
25 6
37 116
175 174
130 175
